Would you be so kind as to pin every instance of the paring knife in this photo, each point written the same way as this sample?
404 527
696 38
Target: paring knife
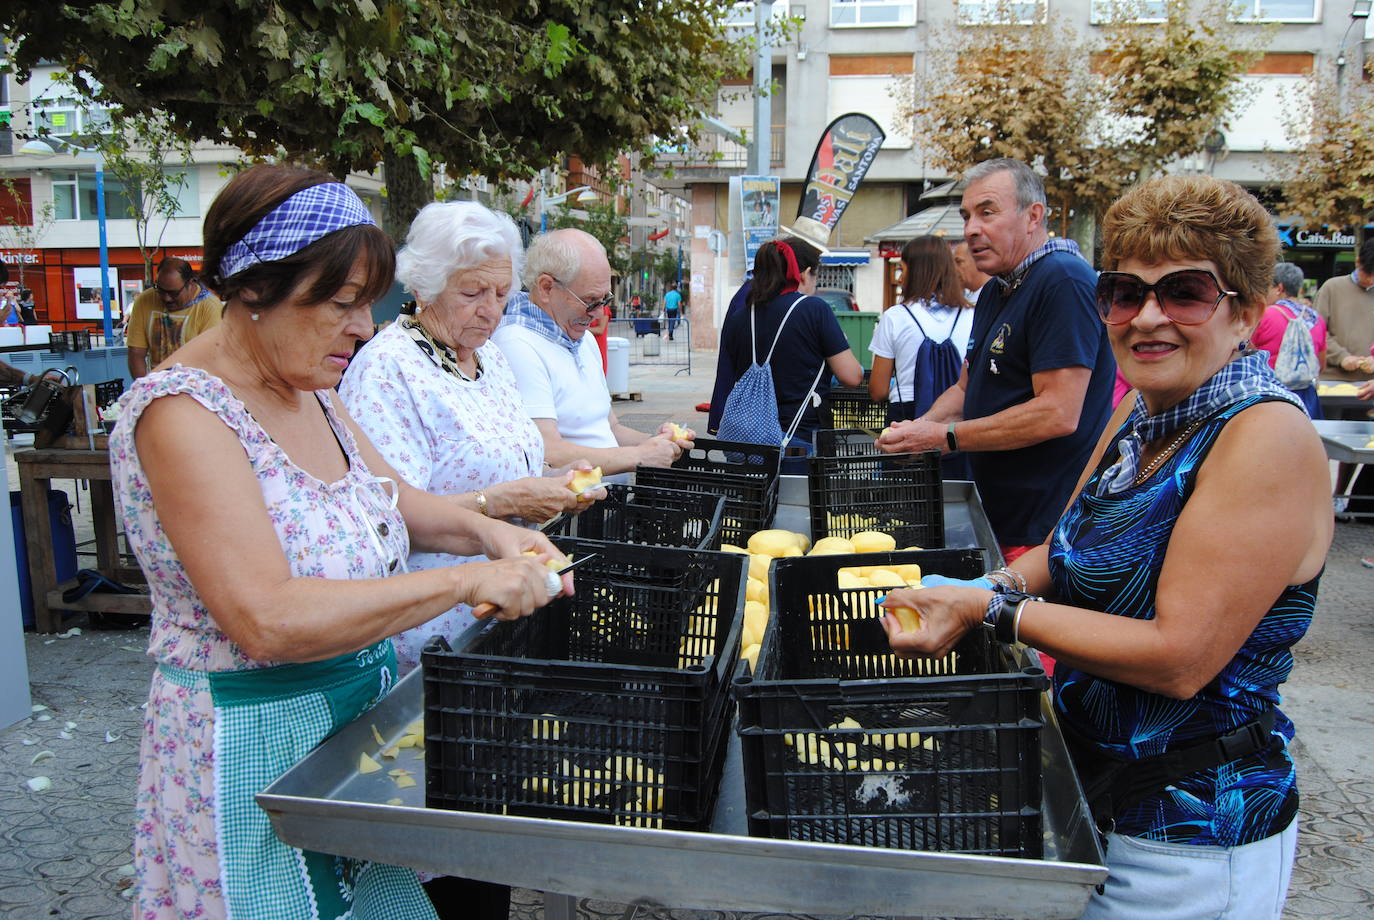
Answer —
484 609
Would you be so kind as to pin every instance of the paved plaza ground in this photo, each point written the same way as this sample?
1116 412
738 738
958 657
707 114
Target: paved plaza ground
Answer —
65 852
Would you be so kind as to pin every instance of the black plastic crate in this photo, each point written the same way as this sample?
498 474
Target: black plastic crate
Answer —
843 742
610 706
70 340
746 475
649 515
855 487
851 407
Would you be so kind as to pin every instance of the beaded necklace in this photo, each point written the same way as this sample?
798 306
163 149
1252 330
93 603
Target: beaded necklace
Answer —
1168 451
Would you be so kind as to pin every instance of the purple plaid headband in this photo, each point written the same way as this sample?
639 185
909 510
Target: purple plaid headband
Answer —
296 223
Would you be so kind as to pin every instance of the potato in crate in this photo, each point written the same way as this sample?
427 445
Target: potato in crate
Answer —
647 514
608 706
851 407
854 487
745 474
844 742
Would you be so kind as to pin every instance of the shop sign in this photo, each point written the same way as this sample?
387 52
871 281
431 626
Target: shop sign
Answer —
20 258
1301 238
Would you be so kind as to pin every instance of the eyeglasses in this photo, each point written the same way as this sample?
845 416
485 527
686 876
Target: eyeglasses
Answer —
166 293
1188 297
591 307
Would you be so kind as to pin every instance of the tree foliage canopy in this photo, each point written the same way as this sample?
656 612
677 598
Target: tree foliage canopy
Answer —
496 88
1330 179
1096 114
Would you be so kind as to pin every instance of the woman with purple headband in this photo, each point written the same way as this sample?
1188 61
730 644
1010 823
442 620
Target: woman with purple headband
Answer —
274 538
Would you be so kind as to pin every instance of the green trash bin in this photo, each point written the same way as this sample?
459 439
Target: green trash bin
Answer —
858 329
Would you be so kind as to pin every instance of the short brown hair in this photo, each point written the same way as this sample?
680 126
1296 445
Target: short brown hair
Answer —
1196 217
245 201
929 273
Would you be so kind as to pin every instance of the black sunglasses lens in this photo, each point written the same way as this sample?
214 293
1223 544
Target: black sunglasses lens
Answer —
1188 297
1119 297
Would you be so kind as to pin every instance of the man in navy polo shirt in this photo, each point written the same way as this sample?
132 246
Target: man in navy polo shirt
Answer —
1037 382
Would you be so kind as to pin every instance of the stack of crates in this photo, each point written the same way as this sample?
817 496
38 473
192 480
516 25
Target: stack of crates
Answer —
609 706
648 515
851 407
746 475
843 742
855 487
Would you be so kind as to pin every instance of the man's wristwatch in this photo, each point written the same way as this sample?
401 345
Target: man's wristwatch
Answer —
1004 612
950 439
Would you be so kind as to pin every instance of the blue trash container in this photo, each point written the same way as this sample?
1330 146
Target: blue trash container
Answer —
63 546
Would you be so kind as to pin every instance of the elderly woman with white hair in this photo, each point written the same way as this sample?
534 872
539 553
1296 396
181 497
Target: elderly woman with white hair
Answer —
439 400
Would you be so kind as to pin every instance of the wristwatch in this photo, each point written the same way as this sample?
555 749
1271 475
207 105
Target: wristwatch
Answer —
950 439
1004 612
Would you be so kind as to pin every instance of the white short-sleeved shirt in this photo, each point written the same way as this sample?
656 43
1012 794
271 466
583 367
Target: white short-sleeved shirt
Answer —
898 338
444 435
554 383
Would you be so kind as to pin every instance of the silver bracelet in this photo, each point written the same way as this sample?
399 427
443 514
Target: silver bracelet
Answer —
1016 622
999 577
1018 581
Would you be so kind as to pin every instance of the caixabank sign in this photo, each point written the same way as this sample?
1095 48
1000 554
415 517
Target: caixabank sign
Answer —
1294 237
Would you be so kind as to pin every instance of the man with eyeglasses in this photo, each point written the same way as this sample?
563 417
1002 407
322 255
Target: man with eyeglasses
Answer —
1037 380
168 315
557 364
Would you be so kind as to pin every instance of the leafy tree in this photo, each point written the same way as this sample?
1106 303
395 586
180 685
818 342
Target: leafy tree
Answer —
1095 115
23 230
498 89
1329 179
604 221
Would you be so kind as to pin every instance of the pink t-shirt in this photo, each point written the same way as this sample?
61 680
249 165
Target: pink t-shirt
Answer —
1269 333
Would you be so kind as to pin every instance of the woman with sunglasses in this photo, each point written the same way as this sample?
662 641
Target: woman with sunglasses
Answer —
1181 575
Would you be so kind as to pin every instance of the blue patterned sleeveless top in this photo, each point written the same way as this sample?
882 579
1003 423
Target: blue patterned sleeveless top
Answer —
1106 554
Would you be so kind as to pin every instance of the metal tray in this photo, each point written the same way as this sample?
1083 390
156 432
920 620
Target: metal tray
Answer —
1332 404
324 804
1345 441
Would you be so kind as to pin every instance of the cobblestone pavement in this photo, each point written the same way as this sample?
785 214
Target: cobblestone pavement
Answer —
65 852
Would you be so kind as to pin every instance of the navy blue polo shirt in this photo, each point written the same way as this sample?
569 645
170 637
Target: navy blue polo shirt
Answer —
1047 323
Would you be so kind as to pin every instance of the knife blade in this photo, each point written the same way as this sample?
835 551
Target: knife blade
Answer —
484 609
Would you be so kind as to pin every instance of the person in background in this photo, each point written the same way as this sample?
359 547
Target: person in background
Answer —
13 376
918 346
600 328
672 306
969 276
1283 307
274 537
27 316
1036 388
780 318
1346 303
170 314
556 364
1178 579
9 309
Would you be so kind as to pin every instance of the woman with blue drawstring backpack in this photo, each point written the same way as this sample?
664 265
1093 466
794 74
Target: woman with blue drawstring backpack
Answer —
778 354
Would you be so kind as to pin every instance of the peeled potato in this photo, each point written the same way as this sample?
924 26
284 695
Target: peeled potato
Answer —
585 479
909 619
758 566
910 572
871 541
885 578
752 654
849 580
679 433
832 546
732 548
772 542
756 590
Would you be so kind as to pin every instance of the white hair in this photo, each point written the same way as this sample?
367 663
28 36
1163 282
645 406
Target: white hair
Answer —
452 236
558 253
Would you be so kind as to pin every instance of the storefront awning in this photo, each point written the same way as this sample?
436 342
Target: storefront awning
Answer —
846 257
937 220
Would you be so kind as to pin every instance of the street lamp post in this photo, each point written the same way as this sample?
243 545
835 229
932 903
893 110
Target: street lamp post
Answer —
39 147
1359 12
581 193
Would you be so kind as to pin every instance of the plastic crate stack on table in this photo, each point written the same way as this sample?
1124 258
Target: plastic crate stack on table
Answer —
646 514
745 475
851 407
853 487
843 742
608 706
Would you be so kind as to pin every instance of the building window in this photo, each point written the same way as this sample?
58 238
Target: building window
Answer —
872 12
1276 10
185 185
1107 11
63 118
1001 12
73 195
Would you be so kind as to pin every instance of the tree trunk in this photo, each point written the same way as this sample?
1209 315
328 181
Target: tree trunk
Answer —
406 193
1083 231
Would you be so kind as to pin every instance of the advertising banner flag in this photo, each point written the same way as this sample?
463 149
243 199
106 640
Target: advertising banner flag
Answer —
842 158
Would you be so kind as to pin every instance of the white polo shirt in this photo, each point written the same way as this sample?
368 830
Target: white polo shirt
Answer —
554 383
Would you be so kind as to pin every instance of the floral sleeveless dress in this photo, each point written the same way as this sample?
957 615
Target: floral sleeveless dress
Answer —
220 725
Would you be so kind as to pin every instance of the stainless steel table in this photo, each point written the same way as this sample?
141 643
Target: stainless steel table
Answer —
1347 442
324 804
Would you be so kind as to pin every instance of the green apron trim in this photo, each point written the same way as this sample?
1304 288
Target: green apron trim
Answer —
266 720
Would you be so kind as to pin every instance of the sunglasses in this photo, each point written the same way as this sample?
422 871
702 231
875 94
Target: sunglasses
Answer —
166 293
595 305
1188 297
